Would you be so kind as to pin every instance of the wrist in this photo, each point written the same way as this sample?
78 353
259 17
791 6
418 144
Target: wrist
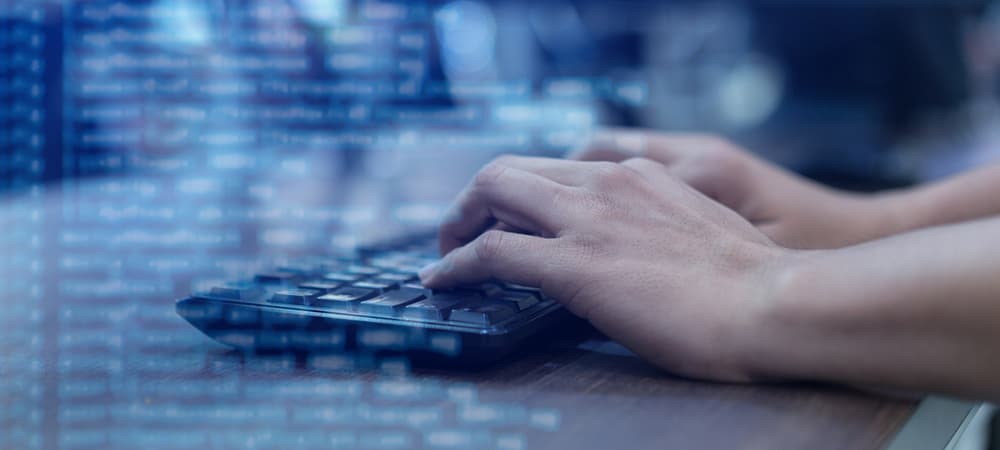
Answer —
776 342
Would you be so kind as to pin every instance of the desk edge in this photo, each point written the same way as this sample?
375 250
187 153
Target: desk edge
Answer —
935 424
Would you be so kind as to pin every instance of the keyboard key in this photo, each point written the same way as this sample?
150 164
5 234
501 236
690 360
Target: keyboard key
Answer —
410 267
398 277
520 300
383 262
329 265
277 277
390 302
343 299
433 308
342 277
488 289
485 314
238 291
295 296
323 286
520 287
321 264
416 285
377 284
299 269
363 270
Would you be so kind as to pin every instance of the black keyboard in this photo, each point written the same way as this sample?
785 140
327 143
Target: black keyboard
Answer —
371 302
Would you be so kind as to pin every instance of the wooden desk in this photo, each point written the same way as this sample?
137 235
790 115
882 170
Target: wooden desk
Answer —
92 355
611 399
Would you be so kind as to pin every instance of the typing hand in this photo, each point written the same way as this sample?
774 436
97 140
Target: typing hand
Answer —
792 211
651 262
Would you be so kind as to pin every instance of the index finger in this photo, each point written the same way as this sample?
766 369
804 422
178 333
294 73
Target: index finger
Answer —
518 198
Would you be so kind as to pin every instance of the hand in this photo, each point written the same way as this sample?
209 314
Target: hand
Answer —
791 210
651 262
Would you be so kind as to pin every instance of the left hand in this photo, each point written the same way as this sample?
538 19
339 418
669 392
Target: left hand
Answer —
680 279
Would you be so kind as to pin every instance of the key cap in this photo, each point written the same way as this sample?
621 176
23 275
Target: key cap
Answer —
344 299
414 285
398 277
295 296
485 314
342 277
323 286
376 284
520 287
488 289
238 291
299 269
520 300
277 277
390 302
363 270
433 308
409 267
324 264
383 262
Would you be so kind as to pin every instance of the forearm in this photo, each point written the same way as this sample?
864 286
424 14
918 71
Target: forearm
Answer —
916 311
968 196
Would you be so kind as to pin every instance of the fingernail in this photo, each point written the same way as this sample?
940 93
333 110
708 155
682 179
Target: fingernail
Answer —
429 270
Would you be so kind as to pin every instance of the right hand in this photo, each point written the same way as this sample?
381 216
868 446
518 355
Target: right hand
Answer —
792 211
673 275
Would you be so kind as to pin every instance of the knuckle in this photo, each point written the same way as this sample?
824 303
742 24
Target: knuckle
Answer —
610 175
639 162
489 245
489 175
561 197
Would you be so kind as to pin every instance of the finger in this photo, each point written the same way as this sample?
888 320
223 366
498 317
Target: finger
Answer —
517 258
668 149
717 183
620 144
521 199
613 144
650 170
565 172
665 178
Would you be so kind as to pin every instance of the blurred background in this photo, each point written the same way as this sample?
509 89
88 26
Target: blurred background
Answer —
860 93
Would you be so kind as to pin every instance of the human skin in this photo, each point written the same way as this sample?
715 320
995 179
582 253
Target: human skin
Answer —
791 210
690 275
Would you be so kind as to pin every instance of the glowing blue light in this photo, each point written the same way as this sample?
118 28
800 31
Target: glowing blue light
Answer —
185 20
467 31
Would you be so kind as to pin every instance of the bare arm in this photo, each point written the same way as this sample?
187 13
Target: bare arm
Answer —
698 290
967 196
791 210
917 311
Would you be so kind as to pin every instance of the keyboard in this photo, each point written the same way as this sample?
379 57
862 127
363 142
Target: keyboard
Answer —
372 302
